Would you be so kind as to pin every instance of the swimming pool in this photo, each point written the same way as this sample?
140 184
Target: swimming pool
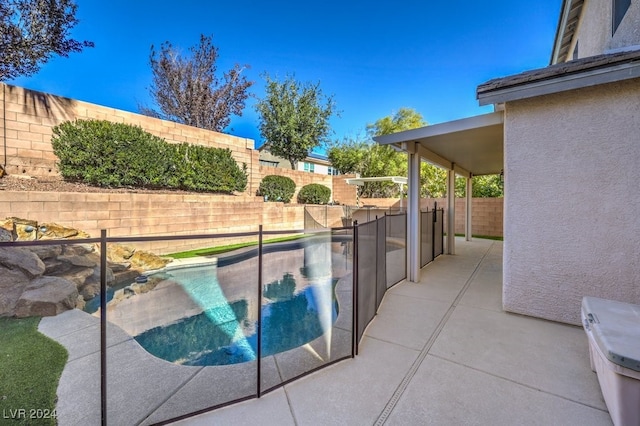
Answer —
208 315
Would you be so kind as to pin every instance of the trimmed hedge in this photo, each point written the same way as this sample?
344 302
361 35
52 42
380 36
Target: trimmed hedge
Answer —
314 193
277 188
108 154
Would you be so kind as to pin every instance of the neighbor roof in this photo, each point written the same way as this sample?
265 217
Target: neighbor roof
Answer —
567 25
589 71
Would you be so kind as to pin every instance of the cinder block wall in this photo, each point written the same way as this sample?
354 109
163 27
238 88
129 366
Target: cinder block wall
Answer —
125 215
486 213
27 118
344 193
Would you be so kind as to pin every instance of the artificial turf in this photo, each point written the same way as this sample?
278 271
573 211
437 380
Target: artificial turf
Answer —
30 368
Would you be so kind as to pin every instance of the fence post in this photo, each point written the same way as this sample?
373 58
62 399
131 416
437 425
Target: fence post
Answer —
259 337
103 325
354 275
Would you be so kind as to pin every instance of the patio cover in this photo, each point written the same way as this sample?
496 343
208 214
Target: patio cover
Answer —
400 180
466 147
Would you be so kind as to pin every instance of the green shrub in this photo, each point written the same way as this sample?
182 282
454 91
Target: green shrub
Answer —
277 188
202 168
109 154
314 193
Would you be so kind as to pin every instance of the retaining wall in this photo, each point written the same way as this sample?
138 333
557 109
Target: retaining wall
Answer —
153 214
27 118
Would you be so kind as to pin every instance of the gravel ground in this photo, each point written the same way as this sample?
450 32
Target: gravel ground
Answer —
56 184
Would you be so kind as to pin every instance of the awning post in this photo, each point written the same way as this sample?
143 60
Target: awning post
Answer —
469 203
413 216
451 211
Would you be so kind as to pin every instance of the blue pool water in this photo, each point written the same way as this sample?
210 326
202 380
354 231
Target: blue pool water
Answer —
224 332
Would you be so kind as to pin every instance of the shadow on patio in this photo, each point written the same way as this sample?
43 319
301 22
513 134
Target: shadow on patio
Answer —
443 351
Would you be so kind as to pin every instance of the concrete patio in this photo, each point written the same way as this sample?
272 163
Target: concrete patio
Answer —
443 352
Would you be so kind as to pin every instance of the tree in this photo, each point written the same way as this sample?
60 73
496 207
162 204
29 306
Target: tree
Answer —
32 32
404 119
186 89
294 117
487 186
368 159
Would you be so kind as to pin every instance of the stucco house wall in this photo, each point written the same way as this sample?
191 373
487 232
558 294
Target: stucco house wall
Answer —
594 30
582 146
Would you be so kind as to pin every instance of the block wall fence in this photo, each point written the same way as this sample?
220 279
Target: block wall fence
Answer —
486 213
27 118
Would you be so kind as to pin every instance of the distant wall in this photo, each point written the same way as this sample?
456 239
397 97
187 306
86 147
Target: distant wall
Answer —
486 213
27 118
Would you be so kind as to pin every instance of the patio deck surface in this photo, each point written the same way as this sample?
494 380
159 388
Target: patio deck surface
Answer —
443 352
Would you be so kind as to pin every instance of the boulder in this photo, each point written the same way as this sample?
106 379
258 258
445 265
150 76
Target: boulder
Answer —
12 284
24 229
54 231
119 254
83 261
5 235
144 261
46 252
77 276
47 296
22 259
90 290
80 249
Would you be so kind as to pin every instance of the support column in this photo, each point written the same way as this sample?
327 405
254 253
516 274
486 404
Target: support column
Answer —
469 204
451 211
413 215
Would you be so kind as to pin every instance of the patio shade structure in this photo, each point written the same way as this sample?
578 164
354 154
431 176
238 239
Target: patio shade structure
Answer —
400 180
467 147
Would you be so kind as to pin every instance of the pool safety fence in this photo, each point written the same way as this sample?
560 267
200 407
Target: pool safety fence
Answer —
197 335
381 259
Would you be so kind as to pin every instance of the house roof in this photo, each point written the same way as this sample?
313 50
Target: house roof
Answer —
471 145
582 72
567 25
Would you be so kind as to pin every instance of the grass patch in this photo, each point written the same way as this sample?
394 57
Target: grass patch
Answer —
484 237
223 249
30 368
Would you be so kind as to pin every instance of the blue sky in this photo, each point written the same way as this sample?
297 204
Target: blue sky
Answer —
374 57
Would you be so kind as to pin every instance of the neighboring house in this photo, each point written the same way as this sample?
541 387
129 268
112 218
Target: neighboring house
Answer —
314 163
569 137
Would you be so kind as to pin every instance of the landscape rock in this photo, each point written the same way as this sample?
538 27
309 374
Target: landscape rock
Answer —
46 252
22 259
47 280
24 229
80 249
5 235
54 231
75 260
144 261
12 284
77 276
90 290
117 253
46 296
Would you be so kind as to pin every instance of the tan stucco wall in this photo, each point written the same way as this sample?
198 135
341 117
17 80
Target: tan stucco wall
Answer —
594 29
572 200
